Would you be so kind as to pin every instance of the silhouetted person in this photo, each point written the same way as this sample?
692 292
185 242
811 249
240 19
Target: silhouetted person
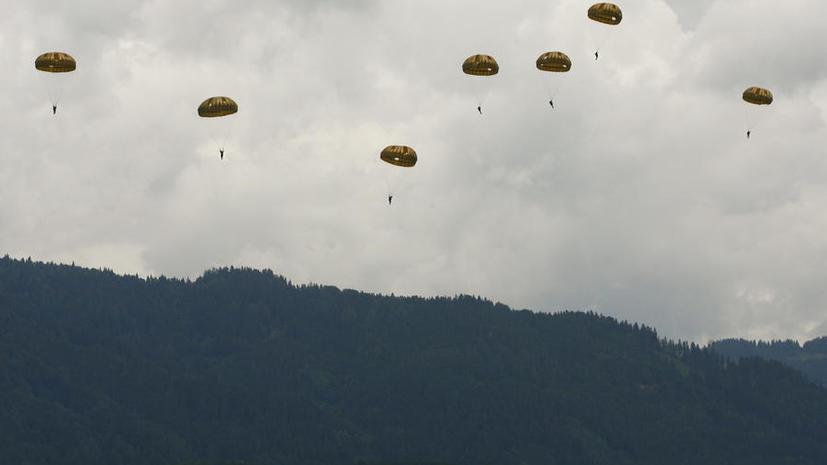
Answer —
551 102
595 55
479 109
222 153
54 109
390 198
748 133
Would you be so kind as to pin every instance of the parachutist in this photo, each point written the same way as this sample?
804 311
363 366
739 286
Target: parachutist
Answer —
390 198
755 96
480 65
55 62
216 107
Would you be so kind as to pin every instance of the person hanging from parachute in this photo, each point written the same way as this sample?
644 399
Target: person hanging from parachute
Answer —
553 62
215 107
480 65
756 96
398 155
55 62
606 13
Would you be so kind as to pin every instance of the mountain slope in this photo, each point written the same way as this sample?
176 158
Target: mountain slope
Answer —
97 368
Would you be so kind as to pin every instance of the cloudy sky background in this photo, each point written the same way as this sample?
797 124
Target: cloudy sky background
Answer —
639 196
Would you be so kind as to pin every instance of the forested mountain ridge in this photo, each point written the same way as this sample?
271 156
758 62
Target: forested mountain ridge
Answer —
240 364
809 358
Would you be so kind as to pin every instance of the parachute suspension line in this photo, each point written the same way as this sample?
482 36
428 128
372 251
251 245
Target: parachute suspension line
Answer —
223 136
229 133
58 96
552 86
752 119
479 67
481 92
552 90
214 139
601 36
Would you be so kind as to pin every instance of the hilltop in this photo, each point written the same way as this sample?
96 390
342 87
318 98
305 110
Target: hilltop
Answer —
809 358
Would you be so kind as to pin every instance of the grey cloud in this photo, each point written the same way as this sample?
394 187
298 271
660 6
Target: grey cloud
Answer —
638 196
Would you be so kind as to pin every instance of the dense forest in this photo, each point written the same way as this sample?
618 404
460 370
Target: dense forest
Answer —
809 358
242 367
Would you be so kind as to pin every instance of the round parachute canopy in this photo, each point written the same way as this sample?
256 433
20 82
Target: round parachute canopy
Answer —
480 65
217 106
757 96
607 13
55 62
399 155
557 62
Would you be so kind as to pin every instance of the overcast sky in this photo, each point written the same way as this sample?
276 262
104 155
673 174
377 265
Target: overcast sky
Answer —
638 196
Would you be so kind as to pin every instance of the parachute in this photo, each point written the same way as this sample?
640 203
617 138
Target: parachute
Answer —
754 96
757 96
55 62
553 62
215 107
605 13
556 62
480 65
398 156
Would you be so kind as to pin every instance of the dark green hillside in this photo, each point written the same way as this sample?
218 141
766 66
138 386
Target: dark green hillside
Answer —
810 358
240 365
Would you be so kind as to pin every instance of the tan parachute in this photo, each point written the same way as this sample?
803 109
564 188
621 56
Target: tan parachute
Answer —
480 65
217 106
399 155
556 62
606 13
55 62
757 96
